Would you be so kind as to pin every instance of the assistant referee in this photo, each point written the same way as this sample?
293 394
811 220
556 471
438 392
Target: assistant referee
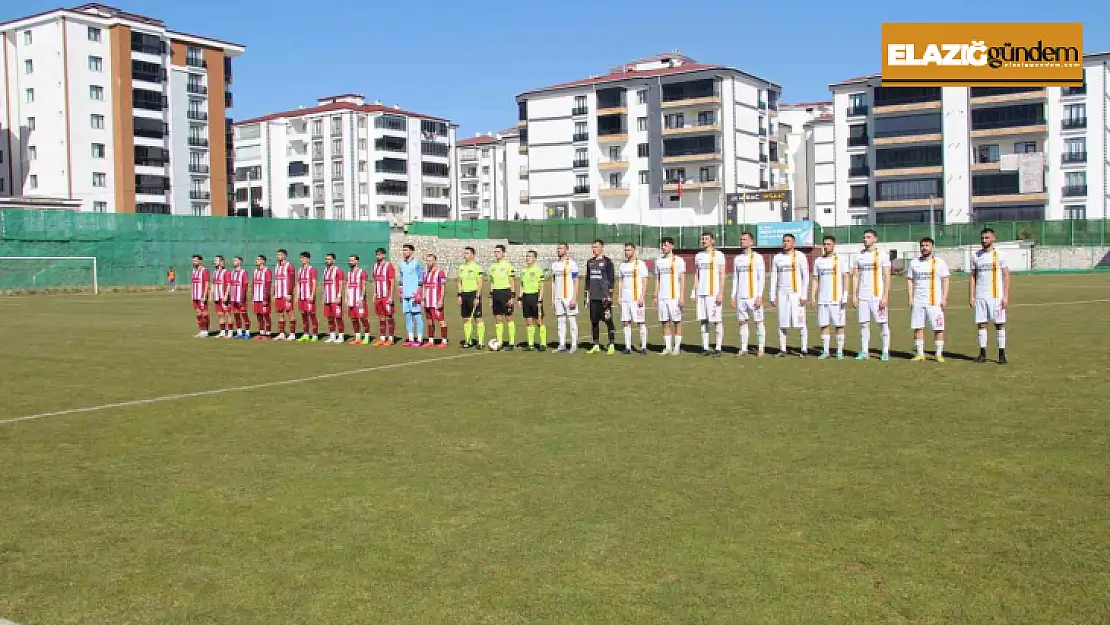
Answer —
470 300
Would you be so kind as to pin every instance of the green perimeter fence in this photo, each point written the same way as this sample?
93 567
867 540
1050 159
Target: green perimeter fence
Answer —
1071 233
138 249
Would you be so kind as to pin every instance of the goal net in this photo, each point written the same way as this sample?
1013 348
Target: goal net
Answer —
44 274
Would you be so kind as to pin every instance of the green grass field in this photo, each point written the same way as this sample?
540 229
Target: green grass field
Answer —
423 486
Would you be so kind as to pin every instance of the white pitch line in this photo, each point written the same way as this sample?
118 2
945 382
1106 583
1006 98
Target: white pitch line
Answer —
230 389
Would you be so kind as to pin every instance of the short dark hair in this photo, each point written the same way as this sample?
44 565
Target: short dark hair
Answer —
599 241
928 240
469 249
828 237
666 240
354 256
533 253
750 235
433 256
329 255
986 230
630 244
306 255
871 232
198 257
708 234
239 258
790 236
564 243
499 247
282 251
219 257
380 250
263 257
409 247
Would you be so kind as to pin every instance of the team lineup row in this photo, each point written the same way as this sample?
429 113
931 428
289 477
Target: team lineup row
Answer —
864 282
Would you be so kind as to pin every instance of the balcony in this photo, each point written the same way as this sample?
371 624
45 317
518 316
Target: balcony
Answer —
149 190
1069 92
908 170
147 48
200 195
581 163
693 100
763 184
612 165
682 157
763 132
691 185
295 171
1074 123
612 136
195 62
889 100
469 191
470 175
229 101
196 168
859 202
857 111
197 116
197 142
999 95
522 149
579 111
1075 191
859 141
612 191
523 174
523 197
196 89
581 189
858 172
579 137
762 158
611 106
1073 157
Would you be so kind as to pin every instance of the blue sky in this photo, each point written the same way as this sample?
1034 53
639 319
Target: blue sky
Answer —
466 61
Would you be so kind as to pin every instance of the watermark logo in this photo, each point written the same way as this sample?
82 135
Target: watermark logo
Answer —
983 55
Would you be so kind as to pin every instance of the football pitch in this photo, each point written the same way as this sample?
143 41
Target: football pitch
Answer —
147 477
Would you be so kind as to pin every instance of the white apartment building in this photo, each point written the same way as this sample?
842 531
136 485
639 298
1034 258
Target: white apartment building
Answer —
618 147
792 132
116 111
492 177
976 155
345 159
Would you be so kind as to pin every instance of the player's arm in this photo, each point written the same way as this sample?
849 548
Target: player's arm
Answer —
610 276
909 286
804 267
846 277
945 283
735 279
774 283
720 269
478 294
855 285
681 285
643 287
812 293
1005 284
760 281
971 285
208 287
886 269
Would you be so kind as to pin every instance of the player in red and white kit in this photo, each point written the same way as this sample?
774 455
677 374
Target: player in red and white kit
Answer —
333 299
306 299
262 284
431 297
221 289
238 283
356 301
385 281
284 282
201 289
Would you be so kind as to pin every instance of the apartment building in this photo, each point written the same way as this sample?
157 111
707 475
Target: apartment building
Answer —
659 141
974 155
492 177
116 111
792 132
345 159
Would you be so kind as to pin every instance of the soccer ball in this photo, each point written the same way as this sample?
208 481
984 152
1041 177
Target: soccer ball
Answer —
494 345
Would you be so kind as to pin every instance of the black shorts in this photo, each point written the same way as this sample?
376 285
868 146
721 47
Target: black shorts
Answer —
530 306
502 302
601 310
471 305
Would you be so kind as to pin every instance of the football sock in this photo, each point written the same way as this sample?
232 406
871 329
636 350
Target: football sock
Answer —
418 321
628 337
292 327
499 331
745 333
339 325
705 335
982 338
574 333
531 332
940 348
562 331
468 331
720 335
281 326
865 337
512 331
409 324
667 342
1001 335
482 333
840 343
543 335
884 333
390 327
805 339
381 327
782 340
825 342
761 335
677 343
919 345
643 336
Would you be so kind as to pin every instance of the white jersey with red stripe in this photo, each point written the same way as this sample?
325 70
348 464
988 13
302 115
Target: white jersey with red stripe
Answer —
333 279
385 276
669 272
927 275
633 276
987 268
431 290
749 276
284 276
831 271
870 266
237 283
306 283
221 286
789 274
710 268
564 276
356 286
262 283
199 282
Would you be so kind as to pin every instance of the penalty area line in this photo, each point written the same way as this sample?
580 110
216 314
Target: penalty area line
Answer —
230 389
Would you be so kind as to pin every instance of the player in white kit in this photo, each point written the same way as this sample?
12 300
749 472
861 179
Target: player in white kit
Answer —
990 294
709 289
670 295
632 275
829 294
928 287
564 293
789 283
871 294
749 277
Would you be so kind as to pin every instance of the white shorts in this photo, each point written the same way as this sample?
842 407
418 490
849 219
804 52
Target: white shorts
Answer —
919 313
632 311
791 313
869 311
746 309
990 310
708 309
831 314
669 310
565 307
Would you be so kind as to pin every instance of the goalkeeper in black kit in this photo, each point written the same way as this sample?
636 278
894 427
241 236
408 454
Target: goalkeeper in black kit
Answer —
600 277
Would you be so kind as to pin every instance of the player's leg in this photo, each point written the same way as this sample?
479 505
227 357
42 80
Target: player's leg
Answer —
607 315
702 312
467 311
839 322
665 321
864 315
785 312
744 330
419 320
595 325
292 315
936 322
917 323
982 316
823 318
480 324
803 331
510 325
719 327
561 324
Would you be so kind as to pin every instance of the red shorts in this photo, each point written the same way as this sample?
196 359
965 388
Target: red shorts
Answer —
307 306
200 305
434 314
283 305
333 311
357 312
383 307
262 308
223 307
238 307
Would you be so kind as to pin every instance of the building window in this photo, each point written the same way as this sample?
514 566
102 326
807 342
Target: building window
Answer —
614 152
100 180
96 64
317 128
97 121
642 150
337 169
1075 179
1 185
673 174
32 152
362 166
1075 211
485 203
614 181
1025 147
28 66
33 181
485 169
94 36
336 146
362 145
29 95
987 154
100 207
361 121
485 187
98 150
641 96
27 38
1075 113
96 92
363 188
643 177
641 123
580 103
337 125
580 128
30 123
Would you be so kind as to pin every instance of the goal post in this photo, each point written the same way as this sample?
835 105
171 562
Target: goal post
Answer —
48 273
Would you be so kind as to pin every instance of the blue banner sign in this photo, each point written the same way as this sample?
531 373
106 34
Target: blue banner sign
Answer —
770 234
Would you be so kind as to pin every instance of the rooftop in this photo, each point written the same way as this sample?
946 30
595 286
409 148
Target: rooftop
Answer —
1088 58
482 140
331 104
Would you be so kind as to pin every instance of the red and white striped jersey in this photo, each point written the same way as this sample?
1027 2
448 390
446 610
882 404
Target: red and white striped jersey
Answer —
356 286
333 277
284 275
238 285
306 283
220 286
262 282
200 283
431 290
384 278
